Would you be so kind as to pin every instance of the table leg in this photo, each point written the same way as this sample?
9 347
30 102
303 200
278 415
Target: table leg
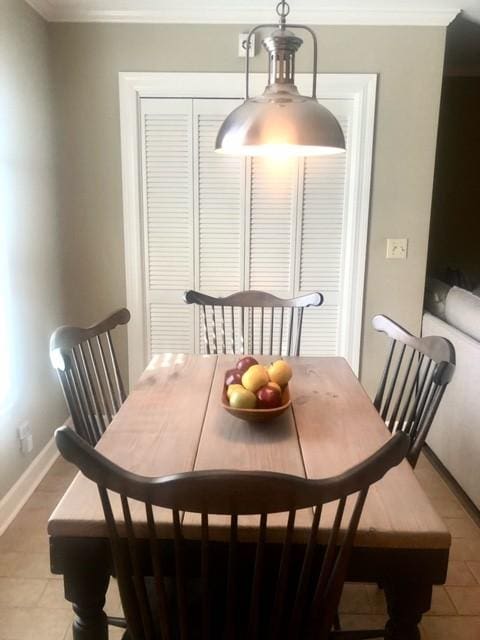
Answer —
406 603
86 591
85 564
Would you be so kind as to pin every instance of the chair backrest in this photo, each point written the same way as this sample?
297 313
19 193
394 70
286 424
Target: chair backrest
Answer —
413 382
87 366
292 594
252 322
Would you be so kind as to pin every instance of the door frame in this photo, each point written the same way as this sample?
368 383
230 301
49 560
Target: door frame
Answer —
361 88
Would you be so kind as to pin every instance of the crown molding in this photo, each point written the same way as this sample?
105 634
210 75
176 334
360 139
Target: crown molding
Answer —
222 14
43 7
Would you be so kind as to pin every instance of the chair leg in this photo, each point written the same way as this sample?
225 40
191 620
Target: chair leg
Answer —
336 622
113 621
358 634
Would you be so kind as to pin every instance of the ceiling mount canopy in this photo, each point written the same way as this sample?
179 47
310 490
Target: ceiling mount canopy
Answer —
281 121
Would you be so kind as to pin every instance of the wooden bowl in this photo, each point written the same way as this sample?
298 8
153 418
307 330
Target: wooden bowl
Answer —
258 415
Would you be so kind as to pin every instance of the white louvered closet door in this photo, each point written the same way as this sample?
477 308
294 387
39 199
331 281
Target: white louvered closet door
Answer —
321 240
222 224
168 233
219 193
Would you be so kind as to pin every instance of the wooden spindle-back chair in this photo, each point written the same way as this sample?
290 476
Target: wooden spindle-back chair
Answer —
252 322
291 595
416 374
88 369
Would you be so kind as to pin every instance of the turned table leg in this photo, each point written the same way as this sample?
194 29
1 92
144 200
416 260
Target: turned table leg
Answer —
86 591
406 603
86 568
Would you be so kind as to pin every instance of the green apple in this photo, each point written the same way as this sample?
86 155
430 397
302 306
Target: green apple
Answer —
234 387
243 399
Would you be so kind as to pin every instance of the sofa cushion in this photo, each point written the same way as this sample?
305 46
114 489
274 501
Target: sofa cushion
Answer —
462 310
436 293
476 291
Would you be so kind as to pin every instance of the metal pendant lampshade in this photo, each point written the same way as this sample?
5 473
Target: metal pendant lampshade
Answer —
281 121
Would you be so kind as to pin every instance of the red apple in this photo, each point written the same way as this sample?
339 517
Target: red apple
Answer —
268 398
245 363
233 376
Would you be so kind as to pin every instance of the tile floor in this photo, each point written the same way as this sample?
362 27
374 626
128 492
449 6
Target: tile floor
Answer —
32 606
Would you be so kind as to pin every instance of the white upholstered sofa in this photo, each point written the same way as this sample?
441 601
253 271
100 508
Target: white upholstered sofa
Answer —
454 313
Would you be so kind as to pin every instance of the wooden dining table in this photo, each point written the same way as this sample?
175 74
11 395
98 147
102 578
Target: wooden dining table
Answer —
173 421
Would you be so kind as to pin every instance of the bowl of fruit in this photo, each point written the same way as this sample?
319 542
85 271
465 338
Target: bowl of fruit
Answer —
257 393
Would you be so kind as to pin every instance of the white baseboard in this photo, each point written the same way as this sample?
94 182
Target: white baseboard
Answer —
23 488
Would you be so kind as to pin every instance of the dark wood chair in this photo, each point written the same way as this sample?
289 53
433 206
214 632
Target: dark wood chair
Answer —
415 377
292 594
88 370
252 322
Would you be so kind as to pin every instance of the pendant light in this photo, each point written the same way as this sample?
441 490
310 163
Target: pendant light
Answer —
281 121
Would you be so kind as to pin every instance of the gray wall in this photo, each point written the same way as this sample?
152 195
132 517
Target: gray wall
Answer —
88 58
30 232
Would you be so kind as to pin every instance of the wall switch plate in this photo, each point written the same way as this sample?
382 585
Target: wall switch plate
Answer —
24 430
397 248
25 436
242 45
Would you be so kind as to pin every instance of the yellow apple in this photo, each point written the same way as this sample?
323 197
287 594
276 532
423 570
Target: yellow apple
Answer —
255 377
279 372
234 387
243 399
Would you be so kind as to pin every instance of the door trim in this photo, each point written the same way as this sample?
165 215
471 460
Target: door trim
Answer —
361 88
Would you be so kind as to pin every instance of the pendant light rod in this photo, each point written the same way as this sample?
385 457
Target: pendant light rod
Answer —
283 9
293 26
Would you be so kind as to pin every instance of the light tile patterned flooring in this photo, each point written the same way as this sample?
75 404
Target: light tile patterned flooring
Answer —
32 606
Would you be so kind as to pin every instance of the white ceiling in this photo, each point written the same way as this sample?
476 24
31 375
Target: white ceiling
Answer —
406 12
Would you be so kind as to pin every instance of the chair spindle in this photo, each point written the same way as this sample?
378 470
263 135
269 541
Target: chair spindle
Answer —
282 579
106 372
180 576
204 570
257 579
158 575
303 581
138 581
232 570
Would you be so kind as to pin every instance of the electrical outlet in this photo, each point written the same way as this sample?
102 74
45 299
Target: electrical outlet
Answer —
397 248
25 436
242 45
